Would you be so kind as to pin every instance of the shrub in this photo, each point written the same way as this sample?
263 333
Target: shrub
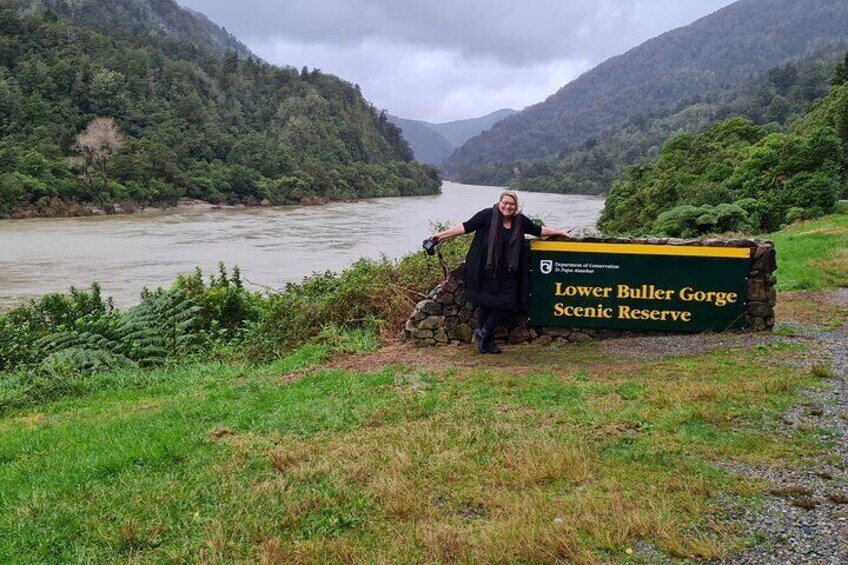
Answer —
376 294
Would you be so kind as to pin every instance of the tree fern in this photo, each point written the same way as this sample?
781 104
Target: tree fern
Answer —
165 324
81 351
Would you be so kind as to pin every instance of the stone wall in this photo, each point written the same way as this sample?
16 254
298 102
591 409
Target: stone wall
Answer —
446 317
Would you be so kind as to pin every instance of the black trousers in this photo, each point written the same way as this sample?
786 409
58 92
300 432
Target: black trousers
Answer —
489 318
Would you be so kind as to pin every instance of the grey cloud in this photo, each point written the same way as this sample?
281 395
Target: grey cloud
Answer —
440 60
513 32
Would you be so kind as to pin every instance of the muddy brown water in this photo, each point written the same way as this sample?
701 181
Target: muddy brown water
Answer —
272 246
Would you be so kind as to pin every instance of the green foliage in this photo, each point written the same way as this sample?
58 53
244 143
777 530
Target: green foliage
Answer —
193 122
733 177
371 294
840 73
82 333
691 221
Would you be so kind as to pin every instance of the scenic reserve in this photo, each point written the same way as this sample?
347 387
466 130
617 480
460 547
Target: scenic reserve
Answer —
406 282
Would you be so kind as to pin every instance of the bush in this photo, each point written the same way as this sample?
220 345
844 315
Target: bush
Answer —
692 221
81 333
376 294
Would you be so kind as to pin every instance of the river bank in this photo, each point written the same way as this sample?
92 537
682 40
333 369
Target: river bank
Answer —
56 208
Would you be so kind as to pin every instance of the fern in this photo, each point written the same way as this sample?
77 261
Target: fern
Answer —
163 325
81 351
84 360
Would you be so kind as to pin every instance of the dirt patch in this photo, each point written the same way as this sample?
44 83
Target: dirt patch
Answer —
30 421
822 309
405 353
657 348
827 309
524 359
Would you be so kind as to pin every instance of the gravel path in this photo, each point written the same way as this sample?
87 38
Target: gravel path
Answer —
804 518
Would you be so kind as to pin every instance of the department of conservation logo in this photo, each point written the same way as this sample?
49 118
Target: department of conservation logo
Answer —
546 266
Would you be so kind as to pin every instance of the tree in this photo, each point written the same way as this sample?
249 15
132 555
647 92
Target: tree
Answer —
95 147
840 74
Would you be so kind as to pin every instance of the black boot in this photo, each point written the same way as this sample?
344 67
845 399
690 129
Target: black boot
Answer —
481 336
489 345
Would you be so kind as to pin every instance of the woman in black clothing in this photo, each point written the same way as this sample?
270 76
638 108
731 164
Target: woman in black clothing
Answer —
492 264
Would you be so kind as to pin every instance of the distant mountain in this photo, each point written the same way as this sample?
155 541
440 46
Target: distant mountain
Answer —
700 61
428 145
460 131
432 143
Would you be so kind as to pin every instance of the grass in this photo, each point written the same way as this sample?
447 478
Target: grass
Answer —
542 455
813 255
576 459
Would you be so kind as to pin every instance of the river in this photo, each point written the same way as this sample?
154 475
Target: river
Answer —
272 246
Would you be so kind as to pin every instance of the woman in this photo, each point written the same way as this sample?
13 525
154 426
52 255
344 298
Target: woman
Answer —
492 264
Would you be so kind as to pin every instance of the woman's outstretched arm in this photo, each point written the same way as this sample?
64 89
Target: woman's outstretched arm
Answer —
453 231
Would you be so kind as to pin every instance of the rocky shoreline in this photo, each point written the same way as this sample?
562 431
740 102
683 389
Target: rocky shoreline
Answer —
56 208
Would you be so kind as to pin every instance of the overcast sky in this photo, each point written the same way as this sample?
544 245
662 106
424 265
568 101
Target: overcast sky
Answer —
441 60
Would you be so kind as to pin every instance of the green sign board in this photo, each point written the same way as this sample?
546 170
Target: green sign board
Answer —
646 287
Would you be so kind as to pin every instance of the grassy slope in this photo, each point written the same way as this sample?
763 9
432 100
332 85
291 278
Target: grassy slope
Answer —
814 255
543 453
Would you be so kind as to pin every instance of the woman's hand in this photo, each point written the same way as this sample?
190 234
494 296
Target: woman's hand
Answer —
548 232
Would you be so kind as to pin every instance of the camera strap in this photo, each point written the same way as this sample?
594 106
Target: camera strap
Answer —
443 264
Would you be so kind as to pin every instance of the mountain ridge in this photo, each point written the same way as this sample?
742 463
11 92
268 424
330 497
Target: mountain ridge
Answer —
712 54
135 18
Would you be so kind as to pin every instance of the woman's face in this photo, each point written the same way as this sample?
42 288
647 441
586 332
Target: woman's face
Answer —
507 206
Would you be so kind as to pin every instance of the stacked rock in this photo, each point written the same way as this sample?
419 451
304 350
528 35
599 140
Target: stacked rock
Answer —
446 317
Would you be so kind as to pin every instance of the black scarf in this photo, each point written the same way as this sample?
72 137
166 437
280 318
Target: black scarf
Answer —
513 247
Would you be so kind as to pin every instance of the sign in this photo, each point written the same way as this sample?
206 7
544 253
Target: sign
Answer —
645 287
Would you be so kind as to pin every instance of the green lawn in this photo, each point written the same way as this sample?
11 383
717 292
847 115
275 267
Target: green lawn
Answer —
813 255
575 458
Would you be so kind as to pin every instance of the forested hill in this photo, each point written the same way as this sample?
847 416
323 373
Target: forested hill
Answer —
160 19
89 118
772 99
739 177
693 63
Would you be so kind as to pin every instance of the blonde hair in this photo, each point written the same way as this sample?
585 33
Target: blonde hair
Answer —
512 195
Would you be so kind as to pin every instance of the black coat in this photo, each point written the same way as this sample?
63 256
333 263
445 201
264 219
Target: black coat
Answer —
496 288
